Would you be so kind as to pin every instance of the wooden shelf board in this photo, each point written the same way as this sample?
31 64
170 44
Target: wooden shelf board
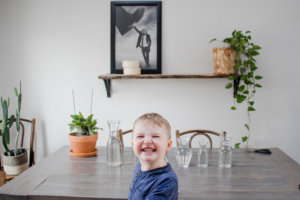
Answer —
159 76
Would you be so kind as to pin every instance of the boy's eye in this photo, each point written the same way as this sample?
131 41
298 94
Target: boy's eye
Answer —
155 136
140 136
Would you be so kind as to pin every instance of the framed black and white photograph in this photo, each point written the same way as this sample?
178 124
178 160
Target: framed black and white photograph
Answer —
136 35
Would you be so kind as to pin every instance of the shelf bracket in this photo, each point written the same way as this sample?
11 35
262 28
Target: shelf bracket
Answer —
107 83
236 83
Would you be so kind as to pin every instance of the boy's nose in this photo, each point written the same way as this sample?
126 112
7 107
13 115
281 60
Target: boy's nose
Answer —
147 140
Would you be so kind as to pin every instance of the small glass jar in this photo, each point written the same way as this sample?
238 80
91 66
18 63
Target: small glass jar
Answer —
183 152
203 153
225 153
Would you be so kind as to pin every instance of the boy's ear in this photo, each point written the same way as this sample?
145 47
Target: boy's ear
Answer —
169 145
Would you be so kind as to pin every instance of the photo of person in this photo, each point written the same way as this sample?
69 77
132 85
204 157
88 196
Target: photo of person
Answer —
136 37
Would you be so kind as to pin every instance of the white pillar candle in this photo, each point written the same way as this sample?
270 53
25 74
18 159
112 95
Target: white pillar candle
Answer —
131 67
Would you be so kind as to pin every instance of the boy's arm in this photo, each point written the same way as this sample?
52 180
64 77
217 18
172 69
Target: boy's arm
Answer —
166 190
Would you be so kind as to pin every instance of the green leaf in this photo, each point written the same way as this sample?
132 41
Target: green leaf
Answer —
240 98
246 92
237 145
11 121
256 47
258 77
243 77
19 102
80 115
250 74
231 77
214 39
242 70
233 108
251 108
257 85
251 103
237 65
16 92
229 85
5 139
253 68
18 121
241 88
244 139
72 126
247 127
248 82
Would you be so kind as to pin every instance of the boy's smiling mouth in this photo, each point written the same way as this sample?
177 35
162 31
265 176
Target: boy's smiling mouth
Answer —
148 149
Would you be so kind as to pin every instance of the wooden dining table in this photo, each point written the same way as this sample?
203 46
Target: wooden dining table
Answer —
252 176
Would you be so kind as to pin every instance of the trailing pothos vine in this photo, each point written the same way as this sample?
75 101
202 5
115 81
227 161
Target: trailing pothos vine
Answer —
245 78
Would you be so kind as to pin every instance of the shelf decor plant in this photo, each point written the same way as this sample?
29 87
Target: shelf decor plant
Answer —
245 81
14 160
84 139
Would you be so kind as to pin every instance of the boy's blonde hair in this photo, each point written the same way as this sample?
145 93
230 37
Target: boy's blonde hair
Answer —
156 119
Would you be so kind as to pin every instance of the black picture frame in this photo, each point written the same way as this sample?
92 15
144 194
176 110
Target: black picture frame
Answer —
136 35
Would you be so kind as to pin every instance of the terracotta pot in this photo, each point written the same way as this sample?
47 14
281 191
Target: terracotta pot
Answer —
224 60
83 144
14 165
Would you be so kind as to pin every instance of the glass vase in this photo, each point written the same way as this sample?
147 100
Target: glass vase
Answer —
225 153
203 153
114 149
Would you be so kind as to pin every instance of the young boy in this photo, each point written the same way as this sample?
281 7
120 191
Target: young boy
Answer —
153 177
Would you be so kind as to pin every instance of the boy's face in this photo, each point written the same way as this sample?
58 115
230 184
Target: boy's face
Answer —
150 143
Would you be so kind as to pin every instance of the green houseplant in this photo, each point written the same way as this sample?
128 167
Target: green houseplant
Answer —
245 81
84 139
15 160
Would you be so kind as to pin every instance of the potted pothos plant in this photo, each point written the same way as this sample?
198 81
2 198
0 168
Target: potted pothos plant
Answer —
84 139
245 80
15 159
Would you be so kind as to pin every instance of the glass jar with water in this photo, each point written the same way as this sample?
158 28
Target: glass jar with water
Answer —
225 152
203 153
183 152
114 149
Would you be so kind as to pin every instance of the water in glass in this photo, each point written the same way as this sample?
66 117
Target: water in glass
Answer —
225 153
203 153
114 149
183 152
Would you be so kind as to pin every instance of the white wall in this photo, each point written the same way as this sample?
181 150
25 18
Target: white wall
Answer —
55 46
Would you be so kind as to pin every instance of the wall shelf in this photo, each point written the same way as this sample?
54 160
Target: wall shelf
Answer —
107 78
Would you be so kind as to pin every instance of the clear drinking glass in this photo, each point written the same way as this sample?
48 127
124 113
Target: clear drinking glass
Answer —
114 149
203 153
183 152
225 153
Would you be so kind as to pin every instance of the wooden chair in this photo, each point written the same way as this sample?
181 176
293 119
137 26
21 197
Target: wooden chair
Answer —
31 137
199 132
121 133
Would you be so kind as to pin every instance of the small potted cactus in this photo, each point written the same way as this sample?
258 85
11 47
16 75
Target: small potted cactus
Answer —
15 160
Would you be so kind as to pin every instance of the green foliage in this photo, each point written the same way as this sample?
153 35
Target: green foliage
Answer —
83 126
245 69
7 123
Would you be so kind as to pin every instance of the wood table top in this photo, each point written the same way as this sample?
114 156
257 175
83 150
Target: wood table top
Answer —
252 176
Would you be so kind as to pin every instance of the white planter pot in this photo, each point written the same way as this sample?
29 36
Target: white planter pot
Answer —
14 165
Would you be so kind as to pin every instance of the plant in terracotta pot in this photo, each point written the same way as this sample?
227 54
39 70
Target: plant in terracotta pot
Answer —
245 81
84 139
14 160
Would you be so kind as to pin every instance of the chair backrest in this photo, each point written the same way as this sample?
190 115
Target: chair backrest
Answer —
121 133
196 132
31 141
